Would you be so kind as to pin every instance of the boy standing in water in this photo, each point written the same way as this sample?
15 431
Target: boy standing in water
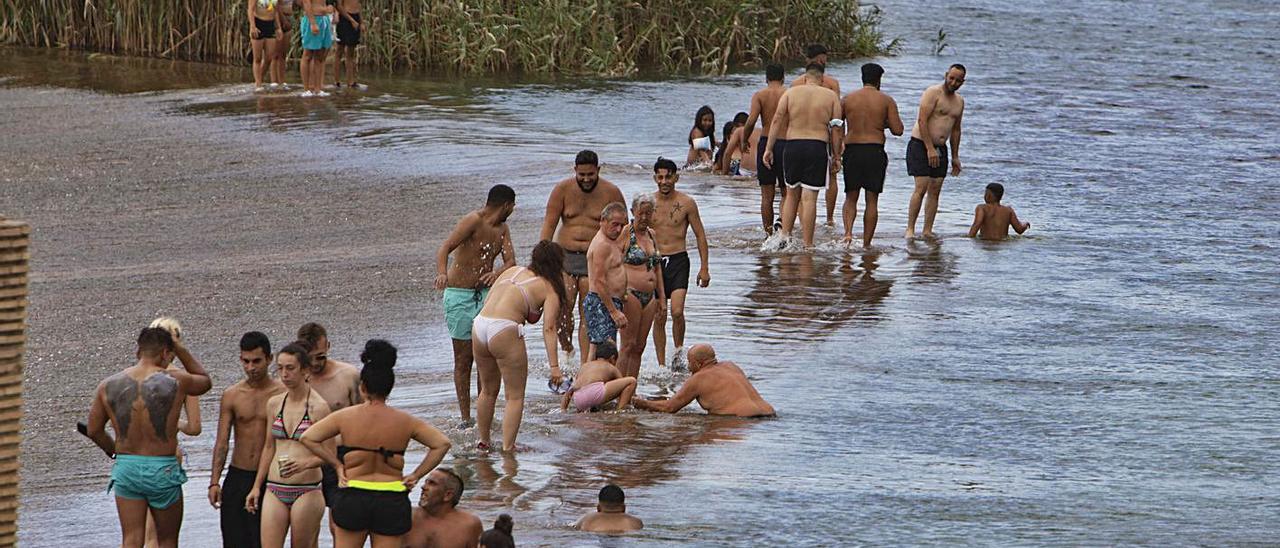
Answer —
349 30
991 220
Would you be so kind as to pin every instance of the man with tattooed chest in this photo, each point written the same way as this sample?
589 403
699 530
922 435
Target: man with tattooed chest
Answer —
143 403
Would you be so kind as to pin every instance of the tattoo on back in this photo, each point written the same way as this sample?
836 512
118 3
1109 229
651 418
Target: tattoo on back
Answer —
158 393
121 391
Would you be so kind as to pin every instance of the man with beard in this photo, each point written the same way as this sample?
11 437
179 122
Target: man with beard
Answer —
475 242
817 53
242 411
437 521
576 203
338 383
602 307
674 213
941 112
804 118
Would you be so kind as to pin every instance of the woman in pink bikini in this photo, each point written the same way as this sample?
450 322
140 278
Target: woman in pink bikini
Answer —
292 474
520 295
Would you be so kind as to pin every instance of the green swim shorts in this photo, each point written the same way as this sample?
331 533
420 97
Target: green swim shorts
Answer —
157 480
461 306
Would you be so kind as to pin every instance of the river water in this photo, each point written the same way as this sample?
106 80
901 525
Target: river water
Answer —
1109 378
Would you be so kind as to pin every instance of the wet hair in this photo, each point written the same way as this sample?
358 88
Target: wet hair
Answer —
871 73
606 350
255 339
500 195
378 357
612 495
642 198
154 340
312 332
703 111
996 190
587 158
814 50
455 483
613 207
547 261
957 66
774 73
740 118
665 163
728 131
815 68
500 535
300 350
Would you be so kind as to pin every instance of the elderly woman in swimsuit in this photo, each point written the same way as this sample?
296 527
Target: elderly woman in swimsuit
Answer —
373 502
645 296
520 295
293 501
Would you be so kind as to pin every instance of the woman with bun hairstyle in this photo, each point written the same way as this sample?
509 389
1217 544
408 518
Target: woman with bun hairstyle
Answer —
374 500
521 295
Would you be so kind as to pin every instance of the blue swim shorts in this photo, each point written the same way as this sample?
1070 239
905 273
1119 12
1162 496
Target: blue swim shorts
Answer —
461 306
600 326
320 40
157 480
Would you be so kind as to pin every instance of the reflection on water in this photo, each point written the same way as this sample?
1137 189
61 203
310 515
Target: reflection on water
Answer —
808 296
932 264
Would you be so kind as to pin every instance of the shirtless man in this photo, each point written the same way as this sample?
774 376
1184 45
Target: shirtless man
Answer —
867 113
764 104
437 521
674 214
602 307
576 203
241 411
721 388
349 30
611 515
317 38
817 53
143 403
478 239
941 112
991 220
804 118
599 382
338 383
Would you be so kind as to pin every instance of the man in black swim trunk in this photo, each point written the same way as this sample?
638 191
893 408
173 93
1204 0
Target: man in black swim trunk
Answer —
941 111
764 104
867 113
804 118
349 29
674 214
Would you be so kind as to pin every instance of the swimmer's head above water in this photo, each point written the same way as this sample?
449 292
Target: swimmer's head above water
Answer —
586 170
699 356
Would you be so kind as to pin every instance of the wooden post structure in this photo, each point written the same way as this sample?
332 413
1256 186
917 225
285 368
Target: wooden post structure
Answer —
15 236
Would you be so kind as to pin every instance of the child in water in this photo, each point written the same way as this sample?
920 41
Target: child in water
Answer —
991 220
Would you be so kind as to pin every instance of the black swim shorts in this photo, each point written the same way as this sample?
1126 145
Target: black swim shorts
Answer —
328 484
770 175
378 512
864 167
266 28
918 160
575 263
675 272
348 34
806 164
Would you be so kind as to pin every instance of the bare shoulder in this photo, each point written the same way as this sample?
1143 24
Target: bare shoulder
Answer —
612 189
686 200
345 369
318 403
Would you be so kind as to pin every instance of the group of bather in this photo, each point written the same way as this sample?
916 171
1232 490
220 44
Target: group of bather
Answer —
321 25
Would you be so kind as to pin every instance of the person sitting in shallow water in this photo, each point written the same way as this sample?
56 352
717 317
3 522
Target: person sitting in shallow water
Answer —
991 220
702 137
599 382
611 514
720 387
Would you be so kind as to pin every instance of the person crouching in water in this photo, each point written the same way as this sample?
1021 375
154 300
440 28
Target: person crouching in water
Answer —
599 382
374 504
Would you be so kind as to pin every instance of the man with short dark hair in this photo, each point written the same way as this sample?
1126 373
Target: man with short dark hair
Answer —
939 120
479 238
602 307
674 213
611 515
764 104
338 383
143 403
804 118
991 220
437 521
242 411
599 382
867 113
576 203
721 388
817 53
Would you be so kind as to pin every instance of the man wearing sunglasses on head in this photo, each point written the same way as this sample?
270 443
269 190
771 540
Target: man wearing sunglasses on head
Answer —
337 382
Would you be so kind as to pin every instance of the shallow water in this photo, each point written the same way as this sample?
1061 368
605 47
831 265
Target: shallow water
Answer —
1107 379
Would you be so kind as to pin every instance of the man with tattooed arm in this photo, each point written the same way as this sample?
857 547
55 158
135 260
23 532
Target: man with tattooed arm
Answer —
143 403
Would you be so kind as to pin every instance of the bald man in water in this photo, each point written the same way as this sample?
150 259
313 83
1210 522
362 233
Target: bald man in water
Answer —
720 387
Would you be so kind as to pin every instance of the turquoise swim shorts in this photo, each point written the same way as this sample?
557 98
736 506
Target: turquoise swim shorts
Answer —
157 480
461 306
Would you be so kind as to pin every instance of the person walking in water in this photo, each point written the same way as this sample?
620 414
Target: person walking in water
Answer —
674 214
804 118
817 53
867 113
645 299
939 121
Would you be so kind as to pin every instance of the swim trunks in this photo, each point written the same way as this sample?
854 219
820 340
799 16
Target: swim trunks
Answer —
157 480
806 164
239 527
328 484
588 396
266 28
766 175
461 306
864 167
675 272
600 326
575 263
381 512
319 40
918 160
348 34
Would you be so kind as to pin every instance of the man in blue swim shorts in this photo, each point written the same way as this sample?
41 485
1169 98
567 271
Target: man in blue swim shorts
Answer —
142 403
475 242
602 307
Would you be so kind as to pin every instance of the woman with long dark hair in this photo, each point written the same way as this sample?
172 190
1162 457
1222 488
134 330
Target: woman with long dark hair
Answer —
702 138
520 296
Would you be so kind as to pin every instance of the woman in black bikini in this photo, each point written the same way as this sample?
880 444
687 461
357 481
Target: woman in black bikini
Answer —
374 502
645 296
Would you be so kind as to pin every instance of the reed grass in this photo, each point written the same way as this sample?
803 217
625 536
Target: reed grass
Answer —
606 37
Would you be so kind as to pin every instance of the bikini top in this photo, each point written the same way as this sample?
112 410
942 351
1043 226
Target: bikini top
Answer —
532 314
278 428
637 256
386 453
267 4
